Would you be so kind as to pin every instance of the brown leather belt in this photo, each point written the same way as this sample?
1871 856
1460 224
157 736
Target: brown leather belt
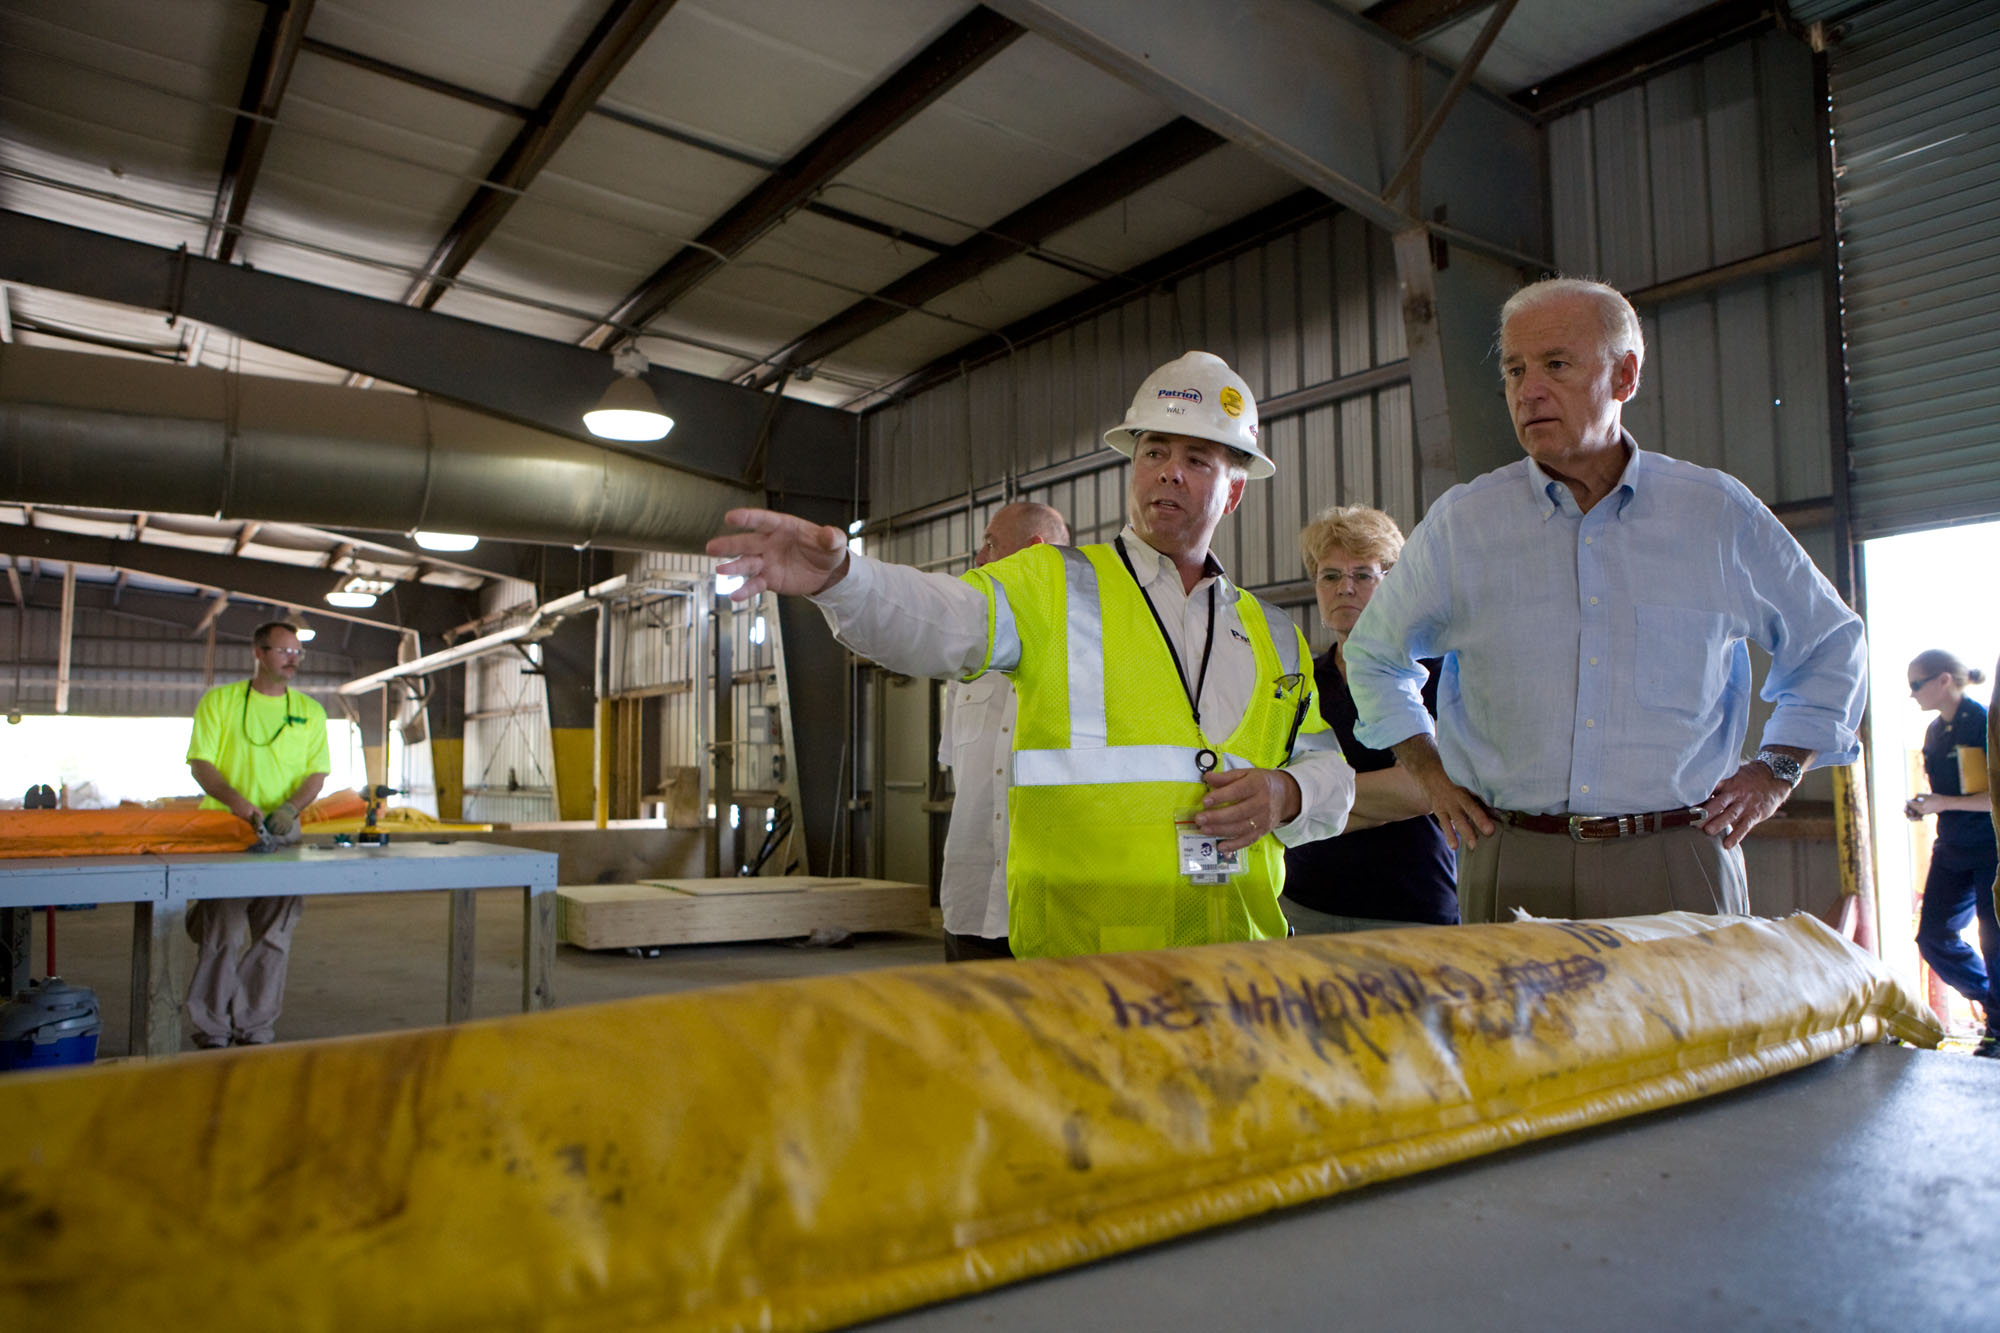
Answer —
1599 828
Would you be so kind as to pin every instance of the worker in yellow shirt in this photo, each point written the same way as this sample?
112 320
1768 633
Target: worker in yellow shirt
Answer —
259 751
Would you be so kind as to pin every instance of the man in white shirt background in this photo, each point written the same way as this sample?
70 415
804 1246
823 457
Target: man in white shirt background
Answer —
978 724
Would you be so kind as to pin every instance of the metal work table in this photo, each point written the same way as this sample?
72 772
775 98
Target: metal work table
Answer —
1855 1194
163 887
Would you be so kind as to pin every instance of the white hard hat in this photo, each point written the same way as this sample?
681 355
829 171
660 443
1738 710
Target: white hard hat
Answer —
1198 395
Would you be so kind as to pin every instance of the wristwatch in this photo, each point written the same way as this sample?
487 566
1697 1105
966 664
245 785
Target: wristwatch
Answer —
1783 767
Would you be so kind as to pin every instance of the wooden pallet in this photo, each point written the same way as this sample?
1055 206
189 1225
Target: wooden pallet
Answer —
710 911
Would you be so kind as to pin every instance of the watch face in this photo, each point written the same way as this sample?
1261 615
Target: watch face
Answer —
1782 766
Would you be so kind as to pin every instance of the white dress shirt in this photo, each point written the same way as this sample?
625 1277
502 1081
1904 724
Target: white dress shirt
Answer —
978 739
925 624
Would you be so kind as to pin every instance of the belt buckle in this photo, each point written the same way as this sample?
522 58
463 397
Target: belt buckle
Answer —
1622 826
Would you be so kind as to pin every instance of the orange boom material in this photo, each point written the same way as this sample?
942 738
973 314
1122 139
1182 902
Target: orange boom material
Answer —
126 831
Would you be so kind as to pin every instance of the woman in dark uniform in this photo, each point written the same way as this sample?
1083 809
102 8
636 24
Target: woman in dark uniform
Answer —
1392 867
1963 856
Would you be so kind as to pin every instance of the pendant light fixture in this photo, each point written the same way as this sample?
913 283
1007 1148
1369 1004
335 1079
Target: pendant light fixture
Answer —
629 409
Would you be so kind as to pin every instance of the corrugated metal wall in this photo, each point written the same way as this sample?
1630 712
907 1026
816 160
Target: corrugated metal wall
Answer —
1915 105
663 648
1707 165
1308 308
509 762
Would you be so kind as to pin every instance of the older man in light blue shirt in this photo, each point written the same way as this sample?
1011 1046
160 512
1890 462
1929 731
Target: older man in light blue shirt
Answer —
1593 603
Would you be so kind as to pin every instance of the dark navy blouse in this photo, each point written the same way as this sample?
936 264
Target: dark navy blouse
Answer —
1402 871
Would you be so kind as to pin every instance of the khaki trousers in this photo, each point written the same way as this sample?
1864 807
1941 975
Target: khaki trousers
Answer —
1550 874
235 993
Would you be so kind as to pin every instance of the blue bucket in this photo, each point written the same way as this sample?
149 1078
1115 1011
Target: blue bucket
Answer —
50 1023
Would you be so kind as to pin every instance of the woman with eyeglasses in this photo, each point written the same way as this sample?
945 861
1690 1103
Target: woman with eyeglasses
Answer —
1392 867
1963 856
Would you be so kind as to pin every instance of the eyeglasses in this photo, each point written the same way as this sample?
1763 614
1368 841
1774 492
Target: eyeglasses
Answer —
1917 685
284 652
1364 577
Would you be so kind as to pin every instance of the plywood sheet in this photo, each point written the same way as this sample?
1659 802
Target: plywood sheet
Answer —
696 911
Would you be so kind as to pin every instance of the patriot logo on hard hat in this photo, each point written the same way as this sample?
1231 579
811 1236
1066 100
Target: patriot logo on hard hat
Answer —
1196 395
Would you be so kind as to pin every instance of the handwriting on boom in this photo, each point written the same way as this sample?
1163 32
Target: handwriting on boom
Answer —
1333 1009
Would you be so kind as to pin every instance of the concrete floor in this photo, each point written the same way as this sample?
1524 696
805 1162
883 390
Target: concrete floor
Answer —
376 962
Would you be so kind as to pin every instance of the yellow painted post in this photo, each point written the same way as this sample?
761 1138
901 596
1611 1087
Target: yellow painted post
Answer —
575 751
448 777
605 747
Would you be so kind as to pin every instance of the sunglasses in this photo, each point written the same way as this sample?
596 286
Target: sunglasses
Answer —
1917 685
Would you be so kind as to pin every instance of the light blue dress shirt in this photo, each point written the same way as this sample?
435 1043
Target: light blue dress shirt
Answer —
1597 663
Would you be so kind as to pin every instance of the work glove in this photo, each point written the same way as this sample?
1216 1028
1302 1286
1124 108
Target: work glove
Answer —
282 826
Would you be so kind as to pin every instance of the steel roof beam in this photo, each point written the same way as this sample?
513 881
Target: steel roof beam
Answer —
264 83
415 78
415 606
934 71
377 644
1322 94
473 97
1414 20
536 381
1173 145
1294 210
617 37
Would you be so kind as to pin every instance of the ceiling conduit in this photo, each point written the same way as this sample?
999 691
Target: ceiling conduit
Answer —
112 433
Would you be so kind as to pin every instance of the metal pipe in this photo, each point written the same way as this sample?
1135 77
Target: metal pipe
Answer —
121 434
62 637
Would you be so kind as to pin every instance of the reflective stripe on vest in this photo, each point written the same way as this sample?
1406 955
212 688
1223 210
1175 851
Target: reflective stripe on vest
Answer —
1111 763
1084 628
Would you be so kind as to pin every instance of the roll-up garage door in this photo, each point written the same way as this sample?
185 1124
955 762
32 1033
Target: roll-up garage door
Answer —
1916 123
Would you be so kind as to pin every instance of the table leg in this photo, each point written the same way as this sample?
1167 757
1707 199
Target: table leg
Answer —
538 948
16 939
460 956
156 991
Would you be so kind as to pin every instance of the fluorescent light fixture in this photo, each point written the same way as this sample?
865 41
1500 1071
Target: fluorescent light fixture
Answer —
629 410
446 541
854 528
356 593
307 633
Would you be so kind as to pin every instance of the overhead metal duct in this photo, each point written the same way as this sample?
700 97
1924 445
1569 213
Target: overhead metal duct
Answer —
112 433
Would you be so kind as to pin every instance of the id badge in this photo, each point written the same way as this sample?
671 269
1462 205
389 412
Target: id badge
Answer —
1201 858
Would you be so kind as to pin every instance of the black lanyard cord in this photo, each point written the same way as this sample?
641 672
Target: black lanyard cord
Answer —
1207 647
244 724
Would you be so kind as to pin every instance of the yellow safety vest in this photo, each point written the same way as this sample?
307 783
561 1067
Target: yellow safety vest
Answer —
1104 759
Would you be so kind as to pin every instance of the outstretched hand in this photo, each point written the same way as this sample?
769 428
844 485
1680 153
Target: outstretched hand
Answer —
780 553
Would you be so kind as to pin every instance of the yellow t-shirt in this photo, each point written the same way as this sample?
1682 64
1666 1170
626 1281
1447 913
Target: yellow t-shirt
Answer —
263 745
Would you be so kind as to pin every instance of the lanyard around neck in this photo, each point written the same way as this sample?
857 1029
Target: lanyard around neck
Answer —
1205 760
244 724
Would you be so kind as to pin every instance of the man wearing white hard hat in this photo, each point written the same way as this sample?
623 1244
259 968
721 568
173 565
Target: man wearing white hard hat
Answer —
1168 745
